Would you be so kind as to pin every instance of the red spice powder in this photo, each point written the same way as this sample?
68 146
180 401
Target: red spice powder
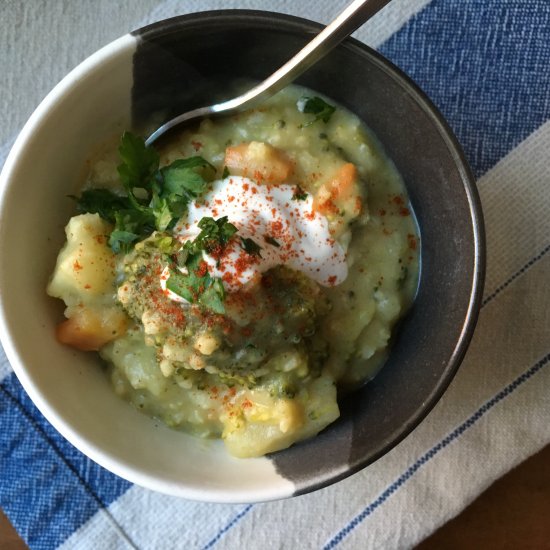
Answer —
216 251
196 145
202 270
77 266
228 278
276 228
412 241
243 262
398 200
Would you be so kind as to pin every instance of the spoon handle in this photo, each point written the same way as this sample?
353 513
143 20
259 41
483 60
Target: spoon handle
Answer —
357 13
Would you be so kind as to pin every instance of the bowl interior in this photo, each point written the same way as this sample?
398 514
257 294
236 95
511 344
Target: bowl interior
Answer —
189 62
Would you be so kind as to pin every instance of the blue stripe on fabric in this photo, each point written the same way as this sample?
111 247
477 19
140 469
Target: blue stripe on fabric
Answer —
43 472
231 524
519 272
485 64
455 434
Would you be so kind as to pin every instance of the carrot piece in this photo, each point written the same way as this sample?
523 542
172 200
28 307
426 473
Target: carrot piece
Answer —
89 330
335 195
342 186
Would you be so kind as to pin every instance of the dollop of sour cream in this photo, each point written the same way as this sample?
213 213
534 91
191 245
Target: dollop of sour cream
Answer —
288 230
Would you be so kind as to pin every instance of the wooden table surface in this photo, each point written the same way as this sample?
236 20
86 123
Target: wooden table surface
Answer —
513 514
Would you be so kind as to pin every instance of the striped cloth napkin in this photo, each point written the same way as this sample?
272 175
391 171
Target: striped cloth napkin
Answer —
486 65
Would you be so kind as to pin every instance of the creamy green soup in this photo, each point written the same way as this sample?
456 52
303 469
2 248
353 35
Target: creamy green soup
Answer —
235 280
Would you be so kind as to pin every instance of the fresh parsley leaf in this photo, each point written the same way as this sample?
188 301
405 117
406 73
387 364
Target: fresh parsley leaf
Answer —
251 247
102 202
180 176
213 297
156 198
139 162
182 182
269 239
120 240
214 234
177 185
161 211
299 194
130 226
318 107
197 286
179 284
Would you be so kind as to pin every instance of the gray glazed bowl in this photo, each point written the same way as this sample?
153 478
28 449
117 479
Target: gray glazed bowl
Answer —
188 62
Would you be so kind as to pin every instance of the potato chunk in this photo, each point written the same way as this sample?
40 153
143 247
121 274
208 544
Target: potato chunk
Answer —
259 161
84 278
267 424
85 269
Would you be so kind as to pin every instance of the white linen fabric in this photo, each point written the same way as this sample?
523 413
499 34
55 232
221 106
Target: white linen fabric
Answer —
495 413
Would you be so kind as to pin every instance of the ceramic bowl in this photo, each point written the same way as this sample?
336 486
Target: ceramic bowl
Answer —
188 62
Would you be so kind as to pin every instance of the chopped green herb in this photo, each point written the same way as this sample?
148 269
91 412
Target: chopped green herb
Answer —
120 240
299 194
316 106
139 162
214 234
225 173
250 246
155 197
180 284
213 297
102 202
269 239
130 226
176 187
197 285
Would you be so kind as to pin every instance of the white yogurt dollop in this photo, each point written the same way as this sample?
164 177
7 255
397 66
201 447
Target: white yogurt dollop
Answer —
288 231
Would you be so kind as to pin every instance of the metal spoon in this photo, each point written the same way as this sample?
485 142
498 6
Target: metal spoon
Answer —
357 13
